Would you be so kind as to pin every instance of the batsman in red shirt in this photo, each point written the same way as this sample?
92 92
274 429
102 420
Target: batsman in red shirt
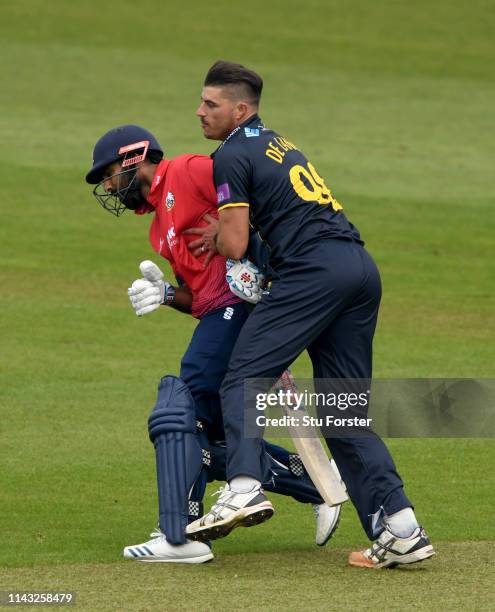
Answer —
185 425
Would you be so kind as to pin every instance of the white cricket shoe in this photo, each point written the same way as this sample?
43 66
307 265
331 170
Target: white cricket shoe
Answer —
158 550
327 521
389 550
231 510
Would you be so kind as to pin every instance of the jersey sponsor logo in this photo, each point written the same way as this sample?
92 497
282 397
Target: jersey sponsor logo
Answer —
223 193
229 313
171 238
170 200
251 132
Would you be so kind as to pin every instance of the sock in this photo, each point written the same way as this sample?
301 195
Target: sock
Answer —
243 484
402 523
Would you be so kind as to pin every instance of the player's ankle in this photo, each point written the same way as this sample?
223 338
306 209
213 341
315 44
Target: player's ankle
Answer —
403 523
243 484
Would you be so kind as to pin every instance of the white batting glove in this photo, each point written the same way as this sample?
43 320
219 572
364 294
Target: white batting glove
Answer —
148 293
245 280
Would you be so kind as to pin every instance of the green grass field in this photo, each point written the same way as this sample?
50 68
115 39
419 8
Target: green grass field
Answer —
394 104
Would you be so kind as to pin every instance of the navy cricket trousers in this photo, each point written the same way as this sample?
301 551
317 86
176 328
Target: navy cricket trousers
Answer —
325 300
202 368
205 362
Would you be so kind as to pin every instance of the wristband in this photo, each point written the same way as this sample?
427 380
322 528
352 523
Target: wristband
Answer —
169 295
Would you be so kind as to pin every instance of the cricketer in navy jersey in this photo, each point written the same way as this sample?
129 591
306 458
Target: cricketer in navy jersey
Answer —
324 298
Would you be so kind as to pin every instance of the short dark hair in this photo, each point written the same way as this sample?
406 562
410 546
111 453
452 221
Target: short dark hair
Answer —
228 73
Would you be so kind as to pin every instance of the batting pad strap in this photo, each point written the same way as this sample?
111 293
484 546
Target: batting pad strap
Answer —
296 466
206 457
195 510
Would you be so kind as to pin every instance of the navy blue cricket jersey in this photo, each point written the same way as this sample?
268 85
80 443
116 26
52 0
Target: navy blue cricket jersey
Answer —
288 201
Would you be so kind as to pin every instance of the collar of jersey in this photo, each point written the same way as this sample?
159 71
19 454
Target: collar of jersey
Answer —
154 196
253 119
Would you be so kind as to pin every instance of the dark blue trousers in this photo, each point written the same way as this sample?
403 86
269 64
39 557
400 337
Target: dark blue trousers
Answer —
205 362
202 368
325 300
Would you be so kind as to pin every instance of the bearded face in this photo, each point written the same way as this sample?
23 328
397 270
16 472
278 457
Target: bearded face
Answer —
119 189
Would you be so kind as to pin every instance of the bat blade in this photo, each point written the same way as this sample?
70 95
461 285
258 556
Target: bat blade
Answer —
312 453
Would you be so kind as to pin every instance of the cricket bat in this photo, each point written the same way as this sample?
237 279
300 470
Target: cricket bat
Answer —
312 453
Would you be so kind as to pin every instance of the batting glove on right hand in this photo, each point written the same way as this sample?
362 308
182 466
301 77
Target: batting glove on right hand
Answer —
245 280
148 294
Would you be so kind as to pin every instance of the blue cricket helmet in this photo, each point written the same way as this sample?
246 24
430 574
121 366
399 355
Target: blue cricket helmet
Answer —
107 149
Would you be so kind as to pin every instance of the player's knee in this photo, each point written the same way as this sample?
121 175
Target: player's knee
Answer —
174 410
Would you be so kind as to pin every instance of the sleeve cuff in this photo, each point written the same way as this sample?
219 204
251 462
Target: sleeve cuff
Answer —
233 205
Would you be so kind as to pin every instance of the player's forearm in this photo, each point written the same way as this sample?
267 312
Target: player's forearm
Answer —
229 248
233 233
182 300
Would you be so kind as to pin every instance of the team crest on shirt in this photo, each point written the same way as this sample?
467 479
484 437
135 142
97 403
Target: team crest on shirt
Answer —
170 201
